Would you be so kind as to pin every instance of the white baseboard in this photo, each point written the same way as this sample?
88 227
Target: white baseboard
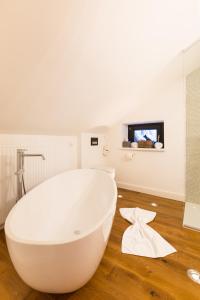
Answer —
151 191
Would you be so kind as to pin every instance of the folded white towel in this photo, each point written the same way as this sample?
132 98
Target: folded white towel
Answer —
139 238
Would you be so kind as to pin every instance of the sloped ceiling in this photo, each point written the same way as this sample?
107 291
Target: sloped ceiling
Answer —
69 65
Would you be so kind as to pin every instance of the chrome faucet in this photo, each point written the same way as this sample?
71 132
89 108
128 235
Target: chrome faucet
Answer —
21 190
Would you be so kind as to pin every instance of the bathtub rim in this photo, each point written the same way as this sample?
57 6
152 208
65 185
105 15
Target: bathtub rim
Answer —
9 233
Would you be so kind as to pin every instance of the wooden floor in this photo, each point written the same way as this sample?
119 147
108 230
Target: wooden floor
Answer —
128 277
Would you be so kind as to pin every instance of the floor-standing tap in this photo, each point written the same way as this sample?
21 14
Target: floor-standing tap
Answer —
20 170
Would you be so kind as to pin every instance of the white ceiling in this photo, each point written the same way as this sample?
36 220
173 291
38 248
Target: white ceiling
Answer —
69 65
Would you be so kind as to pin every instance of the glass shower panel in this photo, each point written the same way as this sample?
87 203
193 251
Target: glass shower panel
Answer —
192 85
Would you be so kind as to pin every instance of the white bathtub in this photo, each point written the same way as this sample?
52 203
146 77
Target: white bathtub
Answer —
57 233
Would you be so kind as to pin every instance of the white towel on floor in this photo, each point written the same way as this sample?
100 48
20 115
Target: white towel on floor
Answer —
133 214
139 238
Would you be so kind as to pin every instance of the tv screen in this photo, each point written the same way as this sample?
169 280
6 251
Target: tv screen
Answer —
145 135
146 131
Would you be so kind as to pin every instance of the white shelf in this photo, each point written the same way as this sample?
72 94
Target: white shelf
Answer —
142 149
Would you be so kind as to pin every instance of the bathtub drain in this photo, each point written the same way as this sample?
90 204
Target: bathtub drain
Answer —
77 232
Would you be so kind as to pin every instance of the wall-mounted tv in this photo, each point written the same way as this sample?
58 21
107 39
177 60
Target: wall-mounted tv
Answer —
146 132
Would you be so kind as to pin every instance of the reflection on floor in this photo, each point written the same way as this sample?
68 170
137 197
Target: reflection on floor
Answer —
122 276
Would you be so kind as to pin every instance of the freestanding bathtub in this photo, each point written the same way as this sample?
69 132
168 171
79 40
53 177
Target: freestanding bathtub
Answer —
57 233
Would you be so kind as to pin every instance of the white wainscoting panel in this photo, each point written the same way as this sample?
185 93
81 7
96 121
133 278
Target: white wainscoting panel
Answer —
60 153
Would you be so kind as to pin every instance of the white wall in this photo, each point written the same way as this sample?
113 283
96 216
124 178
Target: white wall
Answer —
158 173
92 156
62 60
192 57
60 153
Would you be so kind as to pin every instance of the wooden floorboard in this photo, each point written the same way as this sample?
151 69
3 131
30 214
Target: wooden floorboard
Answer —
122 276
